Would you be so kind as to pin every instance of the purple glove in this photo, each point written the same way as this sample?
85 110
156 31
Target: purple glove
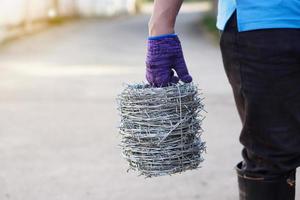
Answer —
165 56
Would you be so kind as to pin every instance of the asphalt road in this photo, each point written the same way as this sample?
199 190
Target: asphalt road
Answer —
58 132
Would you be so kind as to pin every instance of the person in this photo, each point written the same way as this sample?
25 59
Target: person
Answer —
260 46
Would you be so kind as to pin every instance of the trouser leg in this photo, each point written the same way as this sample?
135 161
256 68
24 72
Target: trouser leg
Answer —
263 68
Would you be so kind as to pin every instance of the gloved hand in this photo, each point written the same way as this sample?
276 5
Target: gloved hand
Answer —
165 56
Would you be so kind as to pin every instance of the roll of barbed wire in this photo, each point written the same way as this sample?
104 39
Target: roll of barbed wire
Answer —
161 127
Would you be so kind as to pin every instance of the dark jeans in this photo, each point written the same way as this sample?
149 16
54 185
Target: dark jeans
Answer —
263 68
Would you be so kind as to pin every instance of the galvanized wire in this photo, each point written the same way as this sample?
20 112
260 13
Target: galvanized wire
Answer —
160 128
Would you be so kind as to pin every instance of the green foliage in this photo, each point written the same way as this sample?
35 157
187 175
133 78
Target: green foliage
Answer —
208 22
56 20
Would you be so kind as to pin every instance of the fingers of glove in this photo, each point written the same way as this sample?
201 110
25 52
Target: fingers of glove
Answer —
174 79
181 70
158 77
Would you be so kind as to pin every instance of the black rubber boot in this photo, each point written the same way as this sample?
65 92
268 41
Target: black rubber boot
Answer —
266 188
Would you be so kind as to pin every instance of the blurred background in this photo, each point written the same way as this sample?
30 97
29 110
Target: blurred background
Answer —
62 64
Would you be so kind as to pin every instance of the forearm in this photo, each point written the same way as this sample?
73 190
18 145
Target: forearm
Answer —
164 16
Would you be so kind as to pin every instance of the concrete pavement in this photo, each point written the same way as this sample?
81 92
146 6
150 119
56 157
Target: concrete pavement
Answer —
58 136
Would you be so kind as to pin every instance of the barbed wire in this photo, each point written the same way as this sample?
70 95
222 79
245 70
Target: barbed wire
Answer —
160 128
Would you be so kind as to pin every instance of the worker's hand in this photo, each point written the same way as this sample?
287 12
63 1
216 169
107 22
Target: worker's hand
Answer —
165 56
